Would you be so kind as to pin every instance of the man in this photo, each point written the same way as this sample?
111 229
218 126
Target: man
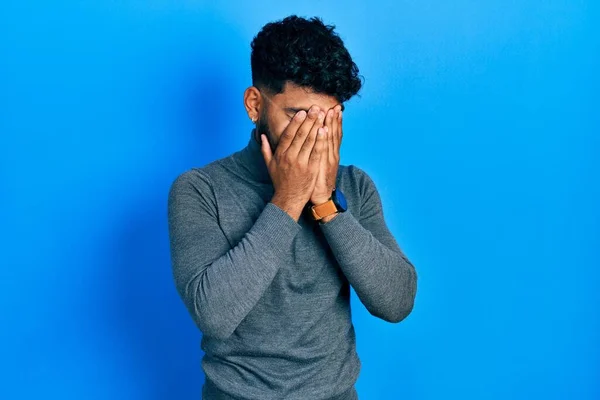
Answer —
266 242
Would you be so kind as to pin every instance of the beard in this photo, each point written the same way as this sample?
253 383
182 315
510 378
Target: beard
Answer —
262 127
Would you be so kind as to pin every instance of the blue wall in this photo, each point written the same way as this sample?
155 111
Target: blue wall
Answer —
478 121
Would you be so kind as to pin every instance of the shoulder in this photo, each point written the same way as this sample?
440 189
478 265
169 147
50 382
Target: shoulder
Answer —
357 178
193 179
357 186
192 189
201 179
356 171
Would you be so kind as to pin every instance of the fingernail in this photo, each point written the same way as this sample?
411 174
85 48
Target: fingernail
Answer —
301 115
320 132
321 115
326 128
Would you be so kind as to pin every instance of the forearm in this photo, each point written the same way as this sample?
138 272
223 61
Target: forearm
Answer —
220 295
383 278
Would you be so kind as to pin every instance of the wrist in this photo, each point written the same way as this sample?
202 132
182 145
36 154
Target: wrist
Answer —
291 207
328 218
320 200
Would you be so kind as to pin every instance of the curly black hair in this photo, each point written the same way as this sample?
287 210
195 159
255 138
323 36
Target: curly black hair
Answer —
306 52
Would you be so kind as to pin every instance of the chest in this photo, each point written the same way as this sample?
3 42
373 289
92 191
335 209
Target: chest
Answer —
308 267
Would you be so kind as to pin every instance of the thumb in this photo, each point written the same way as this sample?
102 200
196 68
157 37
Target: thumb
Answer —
265 149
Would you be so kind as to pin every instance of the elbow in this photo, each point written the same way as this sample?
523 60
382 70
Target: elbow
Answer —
396 312
213 329
401 313
403 304
210 322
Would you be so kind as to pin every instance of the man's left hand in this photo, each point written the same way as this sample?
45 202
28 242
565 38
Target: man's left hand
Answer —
329 165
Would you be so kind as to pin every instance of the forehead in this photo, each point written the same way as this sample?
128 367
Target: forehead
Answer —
294 96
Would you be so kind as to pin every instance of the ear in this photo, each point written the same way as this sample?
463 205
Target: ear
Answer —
253 102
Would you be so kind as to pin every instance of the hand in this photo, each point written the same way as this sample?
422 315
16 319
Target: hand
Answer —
295 165
329 164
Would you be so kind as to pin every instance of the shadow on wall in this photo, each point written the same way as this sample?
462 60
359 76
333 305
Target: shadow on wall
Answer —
161 340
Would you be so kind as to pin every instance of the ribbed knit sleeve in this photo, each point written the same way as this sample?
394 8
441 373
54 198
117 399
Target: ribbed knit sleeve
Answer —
220 285
382 276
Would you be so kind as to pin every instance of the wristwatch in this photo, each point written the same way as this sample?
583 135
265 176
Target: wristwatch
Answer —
335 204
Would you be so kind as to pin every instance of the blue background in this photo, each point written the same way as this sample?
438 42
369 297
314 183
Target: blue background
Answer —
478 121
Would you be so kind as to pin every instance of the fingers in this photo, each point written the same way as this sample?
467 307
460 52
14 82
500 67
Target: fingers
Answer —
307 146
325 158
340 132
265 149
307 134
330 132
336 130
289 132
318 150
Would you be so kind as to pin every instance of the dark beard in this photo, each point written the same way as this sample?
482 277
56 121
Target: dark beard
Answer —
263 128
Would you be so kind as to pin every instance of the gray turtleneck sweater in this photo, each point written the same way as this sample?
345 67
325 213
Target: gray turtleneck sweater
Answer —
272 295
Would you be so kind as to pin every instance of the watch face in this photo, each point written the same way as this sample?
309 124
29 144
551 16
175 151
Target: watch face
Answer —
339 200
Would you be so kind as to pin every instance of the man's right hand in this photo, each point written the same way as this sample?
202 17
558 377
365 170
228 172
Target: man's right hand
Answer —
295 165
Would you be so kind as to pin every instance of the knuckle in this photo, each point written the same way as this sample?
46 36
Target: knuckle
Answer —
288 133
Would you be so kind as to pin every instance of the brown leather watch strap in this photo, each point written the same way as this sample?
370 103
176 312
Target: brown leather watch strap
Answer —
323 210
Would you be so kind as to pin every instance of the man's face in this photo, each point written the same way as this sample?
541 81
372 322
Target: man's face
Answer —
278 110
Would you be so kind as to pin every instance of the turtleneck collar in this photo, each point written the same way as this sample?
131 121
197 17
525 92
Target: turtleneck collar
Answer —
252 160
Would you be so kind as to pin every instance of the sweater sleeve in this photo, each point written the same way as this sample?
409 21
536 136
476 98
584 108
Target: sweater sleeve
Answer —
382 276
219 284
